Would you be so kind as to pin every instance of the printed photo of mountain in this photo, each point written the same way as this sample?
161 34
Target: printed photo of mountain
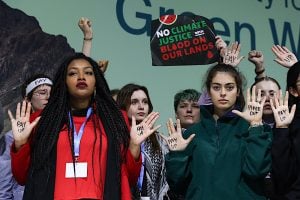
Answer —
25 50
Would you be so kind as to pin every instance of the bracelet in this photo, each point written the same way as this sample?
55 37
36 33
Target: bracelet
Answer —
87 39
259 72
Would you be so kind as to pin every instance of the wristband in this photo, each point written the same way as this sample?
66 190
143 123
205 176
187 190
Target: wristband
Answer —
87 39
259 72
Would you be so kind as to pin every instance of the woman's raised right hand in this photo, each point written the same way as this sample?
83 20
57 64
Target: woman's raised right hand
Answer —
21 126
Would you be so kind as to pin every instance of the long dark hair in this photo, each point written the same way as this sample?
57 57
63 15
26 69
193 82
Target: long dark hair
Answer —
124 96
55 116
291 81
124 101
238 77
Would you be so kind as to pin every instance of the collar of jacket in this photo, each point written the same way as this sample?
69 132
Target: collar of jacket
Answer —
229 118
208 110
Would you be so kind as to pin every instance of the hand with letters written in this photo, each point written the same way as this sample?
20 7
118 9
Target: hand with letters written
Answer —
21 127
284 56
139 133
254 108
175 140
229 55
232 53
283 117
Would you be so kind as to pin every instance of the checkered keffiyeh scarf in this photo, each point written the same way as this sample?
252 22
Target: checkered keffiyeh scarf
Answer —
154 181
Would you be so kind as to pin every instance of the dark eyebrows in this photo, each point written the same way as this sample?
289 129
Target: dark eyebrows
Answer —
183 103
136 99
84 68
88 67
226 84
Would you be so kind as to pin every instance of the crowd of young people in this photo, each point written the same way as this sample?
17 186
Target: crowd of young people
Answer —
71 139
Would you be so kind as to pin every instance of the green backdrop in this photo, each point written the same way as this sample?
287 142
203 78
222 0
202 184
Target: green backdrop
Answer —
120 35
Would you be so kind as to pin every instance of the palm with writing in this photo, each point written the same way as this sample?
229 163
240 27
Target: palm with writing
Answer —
283 117
140 132
175 140
254 107
21 126
232 55
284 56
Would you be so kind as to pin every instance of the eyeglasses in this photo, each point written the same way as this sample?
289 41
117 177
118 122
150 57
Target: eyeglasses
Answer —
41 93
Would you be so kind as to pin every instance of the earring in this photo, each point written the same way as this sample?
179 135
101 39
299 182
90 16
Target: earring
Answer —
95 93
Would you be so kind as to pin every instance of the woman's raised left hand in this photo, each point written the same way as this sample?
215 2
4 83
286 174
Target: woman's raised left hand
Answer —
140 132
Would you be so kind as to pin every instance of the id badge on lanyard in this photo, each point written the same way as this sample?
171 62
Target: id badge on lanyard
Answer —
80 167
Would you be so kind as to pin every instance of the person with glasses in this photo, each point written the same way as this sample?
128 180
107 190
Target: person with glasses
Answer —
35 89
81 147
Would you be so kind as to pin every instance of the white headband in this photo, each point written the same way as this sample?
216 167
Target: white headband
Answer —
37 82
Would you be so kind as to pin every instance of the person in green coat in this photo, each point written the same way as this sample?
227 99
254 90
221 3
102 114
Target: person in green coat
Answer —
227 154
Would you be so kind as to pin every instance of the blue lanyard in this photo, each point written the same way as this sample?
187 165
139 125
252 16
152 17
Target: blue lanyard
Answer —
77 137
141 177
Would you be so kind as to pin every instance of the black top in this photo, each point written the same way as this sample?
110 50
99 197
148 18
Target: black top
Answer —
286 159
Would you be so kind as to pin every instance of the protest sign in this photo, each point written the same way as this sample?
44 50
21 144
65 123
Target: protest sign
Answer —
182 40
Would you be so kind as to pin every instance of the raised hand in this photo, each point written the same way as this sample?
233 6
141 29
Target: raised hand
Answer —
175 140
21 127
86 27
103 64
283 117
284 56
140 132
254 107
221 45
232 55
257 58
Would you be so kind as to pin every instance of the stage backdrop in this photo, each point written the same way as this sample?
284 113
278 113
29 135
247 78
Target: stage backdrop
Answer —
122 29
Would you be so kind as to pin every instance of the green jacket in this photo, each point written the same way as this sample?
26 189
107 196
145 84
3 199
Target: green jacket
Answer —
226 160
